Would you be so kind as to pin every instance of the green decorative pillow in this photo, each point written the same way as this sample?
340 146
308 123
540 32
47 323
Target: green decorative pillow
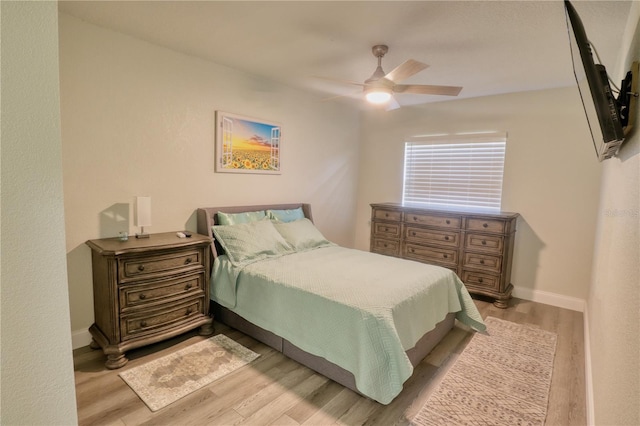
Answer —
251 241
286 215
301 234
236 218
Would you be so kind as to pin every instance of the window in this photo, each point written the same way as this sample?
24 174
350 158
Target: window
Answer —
455 171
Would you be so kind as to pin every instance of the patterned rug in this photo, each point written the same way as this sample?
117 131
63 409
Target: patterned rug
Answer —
502 378
165 380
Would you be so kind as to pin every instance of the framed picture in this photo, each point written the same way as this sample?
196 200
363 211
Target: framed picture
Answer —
247 145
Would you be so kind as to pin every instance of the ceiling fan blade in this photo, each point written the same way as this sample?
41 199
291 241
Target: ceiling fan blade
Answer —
405 70
338 80
424 89
392 104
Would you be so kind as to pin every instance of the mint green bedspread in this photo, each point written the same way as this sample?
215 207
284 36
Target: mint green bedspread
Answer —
357 309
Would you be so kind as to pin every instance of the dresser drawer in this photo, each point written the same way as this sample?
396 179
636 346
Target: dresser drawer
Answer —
486 225
428 254
482 280
152 293
485 243
388 230
149 322
142 267
387 215
452 222
482 261
388 247
428 235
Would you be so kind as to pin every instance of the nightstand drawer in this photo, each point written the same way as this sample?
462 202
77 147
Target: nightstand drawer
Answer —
430 254
387 215
427 235
152 293
452 222
148 322
485 243
479 279
486 225
141 267
386 230
482 261
383 246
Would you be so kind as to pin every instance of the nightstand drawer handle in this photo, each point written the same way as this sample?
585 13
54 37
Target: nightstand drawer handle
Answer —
187 261
385 245
187 287
415 218
446 238
448 222
411 250
143 323
484 243
413 234
485 225
482 261
386 215
479 280
142 296
140 268
446 256
189 311
386 229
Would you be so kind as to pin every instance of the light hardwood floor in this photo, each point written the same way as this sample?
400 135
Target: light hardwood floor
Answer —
276 390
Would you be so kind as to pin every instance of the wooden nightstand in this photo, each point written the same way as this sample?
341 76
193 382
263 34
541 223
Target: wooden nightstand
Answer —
147 290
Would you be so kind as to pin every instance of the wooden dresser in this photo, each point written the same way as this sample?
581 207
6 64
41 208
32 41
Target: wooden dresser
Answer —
147 290
476 246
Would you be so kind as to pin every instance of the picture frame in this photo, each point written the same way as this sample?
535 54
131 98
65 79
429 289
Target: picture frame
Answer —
247 145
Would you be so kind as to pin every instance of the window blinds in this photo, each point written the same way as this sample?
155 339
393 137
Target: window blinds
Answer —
455 171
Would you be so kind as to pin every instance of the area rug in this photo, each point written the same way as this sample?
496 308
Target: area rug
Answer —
501 378
165 380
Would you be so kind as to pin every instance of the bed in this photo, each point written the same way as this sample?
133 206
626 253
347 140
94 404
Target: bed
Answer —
361 319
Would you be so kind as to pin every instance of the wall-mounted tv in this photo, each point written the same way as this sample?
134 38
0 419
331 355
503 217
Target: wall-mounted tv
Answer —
602 111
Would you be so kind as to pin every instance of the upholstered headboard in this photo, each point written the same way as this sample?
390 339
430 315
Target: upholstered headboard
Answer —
208 217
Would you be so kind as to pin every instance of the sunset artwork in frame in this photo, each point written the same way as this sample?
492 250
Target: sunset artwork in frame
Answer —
247 145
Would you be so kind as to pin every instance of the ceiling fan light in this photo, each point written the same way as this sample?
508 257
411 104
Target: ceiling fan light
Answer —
378 97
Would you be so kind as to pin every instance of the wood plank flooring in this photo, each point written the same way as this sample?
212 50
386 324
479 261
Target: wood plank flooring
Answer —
275 390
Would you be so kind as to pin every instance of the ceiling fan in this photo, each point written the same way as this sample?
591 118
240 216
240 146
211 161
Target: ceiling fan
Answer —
379 88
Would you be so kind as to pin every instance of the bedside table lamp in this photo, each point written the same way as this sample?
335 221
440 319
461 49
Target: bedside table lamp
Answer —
143 215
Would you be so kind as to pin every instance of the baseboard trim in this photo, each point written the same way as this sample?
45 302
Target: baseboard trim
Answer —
588 377
553 299
80 338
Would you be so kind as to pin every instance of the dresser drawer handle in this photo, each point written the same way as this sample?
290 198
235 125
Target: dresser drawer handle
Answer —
480 280
187 261
143 323
413 234
187 287
482 261
446 256
385 245
386 215
446 238
411 250
386 229
142 296
485 225
448 222
484 243
140 268
189 311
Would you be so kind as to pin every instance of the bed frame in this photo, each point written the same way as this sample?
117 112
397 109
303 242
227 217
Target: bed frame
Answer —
207 217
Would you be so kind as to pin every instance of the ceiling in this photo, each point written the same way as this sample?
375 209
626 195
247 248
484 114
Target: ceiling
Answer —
488 47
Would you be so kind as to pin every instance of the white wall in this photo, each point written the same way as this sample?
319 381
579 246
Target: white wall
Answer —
138 119
613 306
551 178
37 368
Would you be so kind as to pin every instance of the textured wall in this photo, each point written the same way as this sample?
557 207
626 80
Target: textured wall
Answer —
551 177
36 367
138 119
613 306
